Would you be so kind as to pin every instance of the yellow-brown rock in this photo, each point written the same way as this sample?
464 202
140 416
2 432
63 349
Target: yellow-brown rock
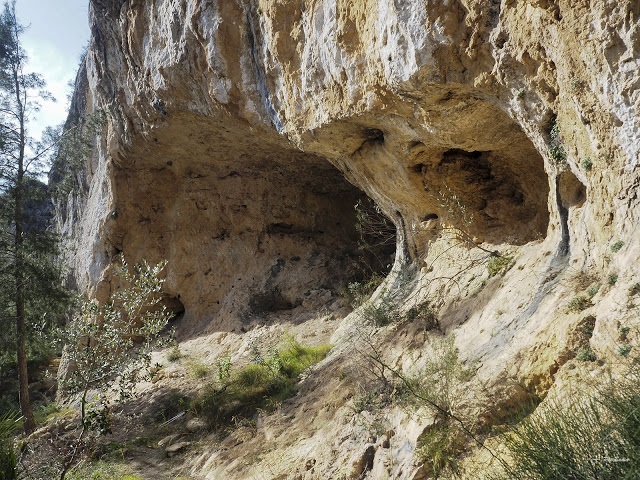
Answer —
241 133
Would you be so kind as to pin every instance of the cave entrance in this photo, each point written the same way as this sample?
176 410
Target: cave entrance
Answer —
249 226
484 177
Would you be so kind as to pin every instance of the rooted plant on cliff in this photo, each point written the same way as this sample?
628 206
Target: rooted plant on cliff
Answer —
445 389
556 147
594 435
109 345
377 235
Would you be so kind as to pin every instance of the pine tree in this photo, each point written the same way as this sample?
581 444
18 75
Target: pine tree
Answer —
30 288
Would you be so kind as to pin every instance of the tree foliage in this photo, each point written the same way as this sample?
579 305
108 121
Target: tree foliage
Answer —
30 292
109 347
112 341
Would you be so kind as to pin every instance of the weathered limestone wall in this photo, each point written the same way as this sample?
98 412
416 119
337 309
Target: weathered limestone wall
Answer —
224 119
232 123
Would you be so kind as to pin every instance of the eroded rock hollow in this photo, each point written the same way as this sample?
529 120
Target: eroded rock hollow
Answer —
249 225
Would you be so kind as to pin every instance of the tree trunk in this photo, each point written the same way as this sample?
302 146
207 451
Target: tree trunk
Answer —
23 373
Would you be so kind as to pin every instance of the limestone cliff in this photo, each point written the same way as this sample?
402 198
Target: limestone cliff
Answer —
241 133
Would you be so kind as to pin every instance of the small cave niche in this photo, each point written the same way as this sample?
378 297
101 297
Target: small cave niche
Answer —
496 196
572 192
374 135
268 302
474 166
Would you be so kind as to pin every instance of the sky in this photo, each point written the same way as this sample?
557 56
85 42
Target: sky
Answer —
55 35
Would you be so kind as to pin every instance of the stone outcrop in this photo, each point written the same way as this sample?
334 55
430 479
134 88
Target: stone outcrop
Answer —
241 133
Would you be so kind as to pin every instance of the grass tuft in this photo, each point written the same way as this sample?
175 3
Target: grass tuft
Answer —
258 386
499 265
579 303
586 355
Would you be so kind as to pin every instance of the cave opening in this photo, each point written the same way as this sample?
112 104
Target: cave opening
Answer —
249 228
491 195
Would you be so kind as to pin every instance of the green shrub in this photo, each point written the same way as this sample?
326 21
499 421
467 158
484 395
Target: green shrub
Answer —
634 289
258 386
43 413
368 400
438 448
593 290
9 425
8 462
595 435
624 350
587 164
499 265
442 381
382 312
199 369
586 355
114 339
446 388
423 313
556 148
358 292
617 246
223 368
612 279
624 332
579 303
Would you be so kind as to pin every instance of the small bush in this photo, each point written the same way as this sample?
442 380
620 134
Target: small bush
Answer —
579 303
422 313
382 312
439 447
366 400
9 425
593 290
615 248
44 412
624 332
624 350
595 435
499 265
586 355
556 148
587 164
446 387
223 368
8 462
357 292
634 289
199 370
612 279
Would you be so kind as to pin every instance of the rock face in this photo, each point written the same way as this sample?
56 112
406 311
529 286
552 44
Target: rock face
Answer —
241 133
